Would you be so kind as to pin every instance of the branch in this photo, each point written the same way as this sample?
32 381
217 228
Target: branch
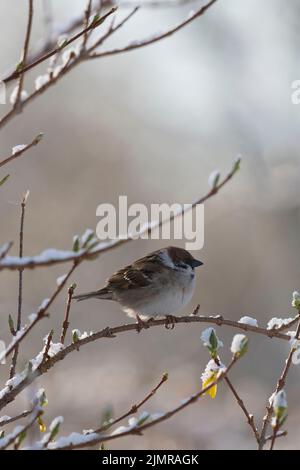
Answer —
85 55
19 317
4 421
22 150
112 30
134 408
13 262
70 25
279 434
42 312
250 417
146 42
66 323
18 102
47 346
83 32
53 79
19 430
94 438
10 395
4 249
275 431
279 386
63 29
87 15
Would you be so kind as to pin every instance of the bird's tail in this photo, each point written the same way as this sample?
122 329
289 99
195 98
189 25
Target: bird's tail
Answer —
98 294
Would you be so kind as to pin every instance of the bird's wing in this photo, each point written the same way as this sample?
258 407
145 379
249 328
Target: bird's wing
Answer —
133 276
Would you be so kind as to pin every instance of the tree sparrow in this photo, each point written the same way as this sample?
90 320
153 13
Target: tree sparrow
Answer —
157 285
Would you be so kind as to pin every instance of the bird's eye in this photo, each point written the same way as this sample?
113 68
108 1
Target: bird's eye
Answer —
182 265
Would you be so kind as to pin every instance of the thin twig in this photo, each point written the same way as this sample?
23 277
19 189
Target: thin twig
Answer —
47 56
279 434
19 315
85 55
53 79
86 22
113 29
20 152
279 386
67 27
138 430
103 247
4 249
275 431
24 414
47 346
7 441
134 409
66 322
18 102
146 42
40 314
63 29
250 417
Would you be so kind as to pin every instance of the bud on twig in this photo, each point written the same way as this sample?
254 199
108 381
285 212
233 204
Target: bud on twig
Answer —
239 345
211 341
296 300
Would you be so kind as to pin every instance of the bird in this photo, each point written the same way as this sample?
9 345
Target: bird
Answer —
157 285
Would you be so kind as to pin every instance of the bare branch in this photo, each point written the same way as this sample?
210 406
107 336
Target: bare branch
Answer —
47 56
279 434
87 15
47 346
24 414
18 102
4 249
53 79
42 313
134 409
67 27
95 438
66 323
22 150
146 42
112 30
11 438
85 55
279 386
63 29
19 315
250 417
275 431
102 247
10 395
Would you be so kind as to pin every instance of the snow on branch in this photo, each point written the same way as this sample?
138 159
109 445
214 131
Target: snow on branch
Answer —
19 150
52 256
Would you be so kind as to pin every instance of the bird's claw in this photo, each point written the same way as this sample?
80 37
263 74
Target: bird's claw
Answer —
170 322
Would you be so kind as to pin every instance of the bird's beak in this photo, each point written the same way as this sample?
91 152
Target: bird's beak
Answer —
196 263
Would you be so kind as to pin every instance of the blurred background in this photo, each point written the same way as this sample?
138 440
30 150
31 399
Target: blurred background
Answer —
153 124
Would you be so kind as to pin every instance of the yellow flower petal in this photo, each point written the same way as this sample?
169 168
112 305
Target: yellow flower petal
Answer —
42 425
212 392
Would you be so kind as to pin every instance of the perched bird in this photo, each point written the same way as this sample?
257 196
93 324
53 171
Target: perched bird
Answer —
158 284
